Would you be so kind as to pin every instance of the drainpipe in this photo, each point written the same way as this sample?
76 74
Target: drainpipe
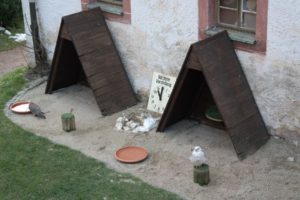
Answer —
35 31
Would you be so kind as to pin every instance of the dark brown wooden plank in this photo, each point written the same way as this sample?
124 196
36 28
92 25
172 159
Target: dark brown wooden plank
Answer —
113 104
56 57
192 61
87 42
65 34
98 80
115 98
109 90
105 64
112 82
232 94
248 136
75 28
77 21
227 81
110 85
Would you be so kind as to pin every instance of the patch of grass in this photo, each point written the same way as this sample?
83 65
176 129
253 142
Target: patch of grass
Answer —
19 27
32 167
6 43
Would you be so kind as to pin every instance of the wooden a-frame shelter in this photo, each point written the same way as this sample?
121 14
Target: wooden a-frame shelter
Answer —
212 75
85 51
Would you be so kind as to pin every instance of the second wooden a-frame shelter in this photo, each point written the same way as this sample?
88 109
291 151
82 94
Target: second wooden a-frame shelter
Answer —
212 75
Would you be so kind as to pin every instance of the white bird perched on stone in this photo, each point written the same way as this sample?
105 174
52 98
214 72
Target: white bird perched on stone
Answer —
198 158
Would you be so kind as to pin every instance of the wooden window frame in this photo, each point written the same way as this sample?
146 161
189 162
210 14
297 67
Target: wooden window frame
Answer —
239 16
123 17
208 19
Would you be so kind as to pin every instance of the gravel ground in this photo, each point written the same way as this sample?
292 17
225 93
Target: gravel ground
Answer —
268 174
12 59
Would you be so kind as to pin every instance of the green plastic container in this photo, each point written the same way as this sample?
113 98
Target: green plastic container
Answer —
201 174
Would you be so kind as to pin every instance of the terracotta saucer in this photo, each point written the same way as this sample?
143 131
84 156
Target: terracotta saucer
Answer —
21 107
131 154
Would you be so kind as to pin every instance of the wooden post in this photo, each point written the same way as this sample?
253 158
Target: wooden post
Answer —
201 174
68 122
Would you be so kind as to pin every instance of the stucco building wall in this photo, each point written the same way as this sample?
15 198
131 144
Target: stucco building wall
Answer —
162 30
49 13
275 77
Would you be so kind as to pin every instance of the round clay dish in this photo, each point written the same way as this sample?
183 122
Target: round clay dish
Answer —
21 107
131 154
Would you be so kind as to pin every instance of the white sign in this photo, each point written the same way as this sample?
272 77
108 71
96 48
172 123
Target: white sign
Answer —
161 88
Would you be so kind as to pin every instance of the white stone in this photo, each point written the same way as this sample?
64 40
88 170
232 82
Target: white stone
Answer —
19 37
295 143
291 159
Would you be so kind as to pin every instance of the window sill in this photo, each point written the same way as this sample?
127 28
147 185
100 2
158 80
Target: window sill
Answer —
242 37
106 7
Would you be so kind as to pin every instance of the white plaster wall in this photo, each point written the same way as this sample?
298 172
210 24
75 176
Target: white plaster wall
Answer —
157 39
49 13
275 77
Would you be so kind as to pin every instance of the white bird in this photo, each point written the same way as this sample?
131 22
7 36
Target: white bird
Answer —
198 158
